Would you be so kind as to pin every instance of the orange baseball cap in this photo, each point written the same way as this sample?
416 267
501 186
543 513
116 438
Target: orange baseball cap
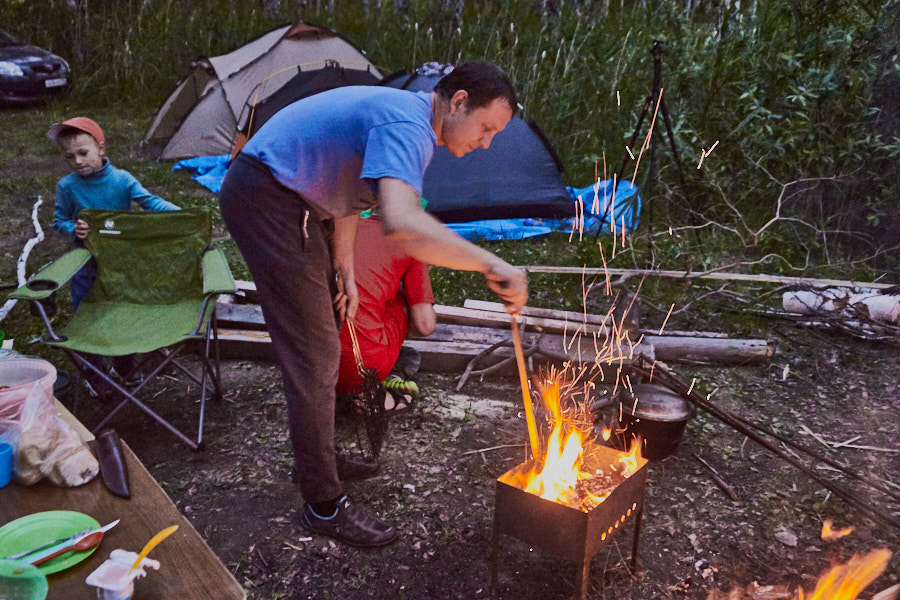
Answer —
82 123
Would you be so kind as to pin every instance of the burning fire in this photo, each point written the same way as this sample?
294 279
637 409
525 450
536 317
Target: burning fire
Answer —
845 582
829 534
565 472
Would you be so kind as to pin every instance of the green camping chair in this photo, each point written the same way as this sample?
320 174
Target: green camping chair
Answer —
157 283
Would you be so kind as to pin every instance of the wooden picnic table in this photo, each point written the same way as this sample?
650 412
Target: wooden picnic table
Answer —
189 568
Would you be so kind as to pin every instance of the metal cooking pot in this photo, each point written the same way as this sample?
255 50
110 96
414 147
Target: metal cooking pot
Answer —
656 414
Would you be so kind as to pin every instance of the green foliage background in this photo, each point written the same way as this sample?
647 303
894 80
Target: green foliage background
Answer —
803 91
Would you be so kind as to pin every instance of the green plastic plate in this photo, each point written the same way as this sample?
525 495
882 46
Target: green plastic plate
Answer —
33 530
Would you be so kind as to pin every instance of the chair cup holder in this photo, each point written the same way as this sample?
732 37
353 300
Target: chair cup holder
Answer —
42 285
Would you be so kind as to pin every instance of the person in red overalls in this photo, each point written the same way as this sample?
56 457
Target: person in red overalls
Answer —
395 296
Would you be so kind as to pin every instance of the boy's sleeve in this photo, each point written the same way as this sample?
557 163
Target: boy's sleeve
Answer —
417 284
145 199
64 212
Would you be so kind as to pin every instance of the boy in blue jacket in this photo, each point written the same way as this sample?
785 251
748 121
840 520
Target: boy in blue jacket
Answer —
94 183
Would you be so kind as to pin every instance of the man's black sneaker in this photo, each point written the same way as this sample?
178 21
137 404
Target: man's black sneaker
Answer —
349 467
350 525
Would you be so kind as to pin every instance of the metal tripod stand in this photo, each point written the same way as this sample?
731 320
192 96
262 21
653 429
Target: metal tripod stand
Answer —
650 106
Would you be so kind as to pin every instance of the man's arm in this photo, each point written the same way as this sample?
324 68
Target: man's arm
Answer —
423 237
346 302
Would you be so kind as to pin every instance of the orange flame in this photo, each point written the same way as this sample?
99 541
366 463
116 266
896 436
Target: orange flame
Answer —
556 478
829 534
631 460
845 582
566 458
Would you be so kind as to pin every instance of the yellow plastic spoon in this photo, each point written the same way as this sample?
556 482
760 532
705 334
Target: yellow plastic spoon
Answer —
156 539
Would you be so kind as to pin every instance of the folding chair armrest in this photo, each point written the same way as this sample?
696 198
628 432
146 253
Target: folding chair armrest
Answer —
52 277
217 277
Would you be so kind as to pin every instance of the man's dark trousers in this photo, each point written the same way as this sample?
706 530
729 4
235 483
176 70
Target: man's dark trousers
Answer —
286 248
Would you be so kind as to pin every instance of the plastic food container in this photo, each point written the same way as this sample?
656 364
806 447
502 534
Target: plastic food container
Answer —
114 579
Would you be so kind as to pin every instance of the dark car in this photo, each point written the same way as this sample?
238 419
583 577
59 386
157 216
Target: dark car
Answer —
28 73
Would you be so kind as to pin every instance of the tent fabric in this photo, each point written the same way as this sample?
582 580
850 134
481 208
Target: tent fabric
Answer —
519 176
626 208
302 85
209 171
614 206
200 118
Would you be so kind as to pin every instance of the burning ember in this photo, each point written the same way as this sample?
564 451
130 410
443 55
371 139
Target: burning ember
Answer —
842 582
845 582
829 534
569 470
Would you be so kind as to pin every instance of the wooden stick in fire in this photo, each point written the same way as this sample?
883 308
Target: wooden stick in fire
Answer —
526 396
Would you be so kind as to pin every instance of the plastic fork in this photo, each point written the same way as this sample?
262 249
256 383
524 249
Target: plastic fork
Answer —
48 544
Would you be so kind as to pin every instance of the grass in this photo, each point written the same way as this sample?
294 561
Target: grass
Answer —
785 97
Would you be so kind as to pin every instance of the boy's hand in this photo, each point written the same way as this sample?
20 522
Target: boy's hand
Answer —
82 229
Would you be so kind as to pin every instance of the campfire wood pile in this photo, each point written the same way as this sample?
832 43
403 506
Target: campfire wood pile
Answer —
480 330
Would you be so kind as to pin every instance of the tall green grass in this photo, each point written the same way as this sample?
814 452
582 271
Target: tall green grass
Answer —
787 94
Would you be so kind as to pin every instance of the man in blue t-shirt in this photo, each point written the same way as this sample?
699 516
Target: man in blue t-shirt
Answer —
291 201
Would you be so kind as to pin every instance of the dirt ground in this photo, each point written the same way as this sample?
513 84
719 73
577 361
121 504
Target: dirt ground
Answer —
443 456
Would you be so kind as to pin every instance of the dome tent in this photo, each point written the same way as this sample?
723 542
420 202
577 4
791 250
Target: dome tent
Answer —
200 118
519 176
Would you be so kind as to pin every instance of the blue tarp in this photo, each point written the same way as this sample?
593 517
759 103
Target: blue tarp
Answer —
626 211
208 171
592 201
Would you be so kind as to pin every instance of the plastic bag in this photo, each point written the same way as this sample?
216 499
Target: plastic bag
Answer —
43 444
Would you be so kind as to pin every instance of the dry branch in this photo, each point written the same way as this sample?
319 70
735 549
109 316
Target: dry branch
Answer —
578 318
800 281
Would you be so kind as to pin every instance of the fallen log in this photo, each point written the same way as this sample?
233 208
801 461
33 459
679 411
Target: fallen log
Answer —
670 349
245 343
577 318
708 350
446 355
485 318
720 275
455 356
581 346
240 316
871 305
